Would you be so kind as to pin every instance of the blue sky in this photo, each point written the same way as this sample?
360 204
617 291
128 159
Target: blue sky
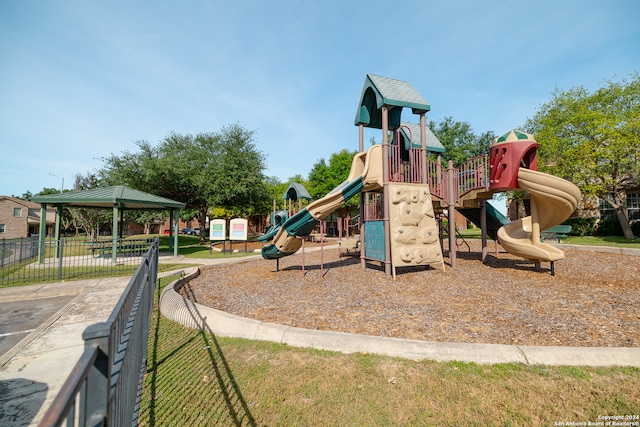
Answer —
82 80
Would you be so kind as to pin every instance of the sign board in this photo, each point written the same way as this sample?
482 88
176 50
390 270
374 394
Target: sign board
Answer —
238 229
217 229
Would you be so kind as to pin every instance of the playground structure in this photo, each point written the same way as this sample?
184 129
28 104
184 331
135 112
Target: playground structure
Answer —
402 190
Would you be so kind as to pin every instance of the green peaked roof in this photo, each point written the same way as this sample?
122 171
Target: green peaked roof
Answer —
379 91
296 191
108 197
411 131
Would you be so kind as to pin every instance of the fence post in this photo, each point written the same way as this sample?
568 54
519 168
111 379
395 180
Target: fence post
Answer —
94 397
59 250
20 257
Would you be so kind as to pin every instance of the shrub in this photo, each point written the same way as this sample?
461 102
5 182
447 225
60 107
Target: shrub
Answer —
609 227
582 226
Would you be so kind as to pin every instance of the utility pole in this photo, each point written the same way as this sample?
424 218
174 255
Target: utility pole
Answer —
62 186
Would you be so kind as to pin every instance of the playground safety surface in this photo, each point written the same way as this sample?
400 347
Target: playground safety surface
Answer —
592 300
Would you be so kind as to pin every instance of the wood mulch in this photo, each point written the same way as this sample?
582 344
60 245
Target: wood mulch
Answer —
592 301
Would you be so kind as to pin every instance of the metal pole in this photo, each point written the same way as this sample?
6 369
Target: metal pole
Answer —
43 233
452 214
385 189
363 262
303 273
423 147
60 251
483 228
94 398
323 232
58 215
114 243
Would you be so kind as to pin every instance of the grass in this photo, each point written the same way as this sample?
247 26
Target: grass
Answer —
196 378
189 246
82 273
614 241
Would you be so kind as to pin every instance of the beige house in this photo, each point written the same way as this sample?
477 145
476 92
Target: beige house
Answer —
21 218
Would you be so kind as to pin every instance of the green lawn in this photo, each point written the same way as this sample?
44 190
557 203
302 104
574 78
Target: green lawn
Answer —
615 241
197 378
190 247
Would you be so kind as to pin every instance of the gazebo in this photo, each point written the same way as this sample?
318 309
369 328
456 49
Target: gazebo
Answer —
119 198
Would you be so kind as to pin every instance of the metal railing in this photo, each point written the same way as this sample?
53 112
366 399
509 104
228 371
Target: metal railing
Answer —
66 259
407 169
471 175
104 387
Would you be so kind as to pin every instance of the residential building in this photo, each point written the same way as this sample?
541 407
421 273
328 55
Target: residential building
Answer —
21 218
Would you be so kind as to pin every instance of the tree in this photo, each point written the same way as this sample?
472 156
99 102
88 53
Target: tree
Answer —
222 169
459 140
593 139
146 218
66 219
276 190
325 177
89 220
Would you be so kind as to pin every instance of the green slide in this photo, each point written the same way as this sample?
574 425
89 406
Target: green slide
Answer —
495 219
304 222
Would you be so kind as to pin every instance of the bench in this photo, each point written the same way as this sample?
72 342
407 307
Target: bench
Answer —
317 237
556 232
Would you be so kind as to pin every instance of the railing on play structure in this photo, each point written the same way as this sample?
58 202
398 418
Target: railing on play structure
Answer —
471 175
405 165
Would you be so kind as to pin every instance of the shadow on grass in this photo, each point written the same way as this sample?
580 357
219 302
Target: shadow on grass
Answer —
230 407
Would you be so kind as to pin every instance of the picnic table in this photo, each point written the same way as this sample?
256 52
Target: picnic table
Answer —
104 248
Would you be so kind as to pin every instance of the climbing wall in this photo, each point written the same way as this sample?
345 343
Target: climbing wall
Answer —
413 226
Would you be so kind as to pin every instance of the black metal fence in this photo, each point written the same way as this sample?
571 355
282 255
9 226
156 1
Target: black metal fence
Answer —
104 387
67 258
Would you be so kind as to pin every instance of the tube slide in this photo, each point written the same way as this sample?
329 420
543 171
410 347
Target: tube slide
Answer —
553 200
365 175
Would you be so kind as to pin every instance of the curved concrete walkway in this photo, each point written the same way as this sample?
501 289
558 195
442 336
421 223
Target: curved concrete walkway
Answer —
182 310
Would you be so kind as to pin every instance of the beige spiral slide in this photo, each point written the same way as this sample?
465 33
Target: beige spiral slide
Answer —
553 200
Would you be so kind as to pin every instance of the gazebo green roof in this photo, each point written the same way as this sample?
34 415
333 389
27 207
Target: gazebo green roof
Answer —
108 197
381 91
118 198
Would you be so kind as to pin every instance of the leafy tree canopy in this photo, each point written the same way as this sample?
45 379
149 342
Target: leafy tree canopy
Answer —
593 139
459 140
324 176
222 169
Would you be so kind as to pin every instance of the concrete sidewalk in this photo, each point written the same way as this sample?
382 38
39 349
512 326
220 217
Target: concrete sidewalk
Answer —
33 371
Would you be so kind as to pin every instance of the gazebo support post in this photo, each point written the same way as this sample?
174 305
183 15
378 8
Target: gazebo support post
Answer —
121 224
176 220
42 232
58 215
171 215
114 229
